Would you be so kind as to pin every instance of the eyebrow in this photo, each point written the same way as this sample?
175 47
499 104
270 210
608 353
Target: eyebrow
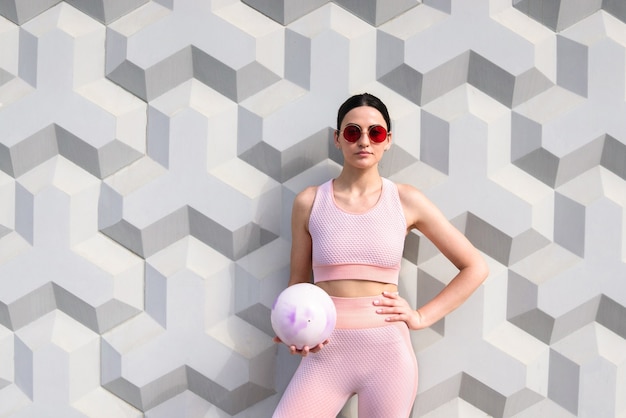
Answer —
371 126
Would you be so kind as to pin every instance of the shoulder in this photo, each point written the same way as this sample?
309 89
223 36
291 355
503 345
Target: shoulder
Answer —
417 207
302 208
410 194
305 198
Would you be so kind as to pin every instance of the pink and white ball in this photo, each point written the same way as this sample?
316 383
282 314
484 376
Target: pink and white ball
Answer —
303 315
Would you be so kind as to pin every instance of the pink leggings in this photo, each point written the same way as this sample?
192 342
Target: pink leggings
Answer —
365 356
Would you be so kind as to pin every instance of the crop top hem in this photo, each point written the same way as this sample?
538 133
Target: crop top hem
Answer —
324 273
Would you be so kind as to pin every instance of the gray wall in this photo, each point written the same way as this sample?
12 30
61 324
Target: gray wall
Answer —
150 152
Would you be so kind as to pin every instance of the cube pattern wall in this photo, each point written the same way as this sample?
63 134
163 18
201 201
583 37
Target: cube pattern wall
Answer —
150 151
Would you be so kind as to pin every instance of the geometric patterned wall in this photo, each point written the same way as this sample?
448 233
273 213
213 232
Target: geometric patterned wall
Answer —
150 152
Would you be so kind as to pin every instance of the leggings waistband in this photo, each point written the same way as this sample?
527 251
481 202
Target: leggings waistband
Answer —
359 312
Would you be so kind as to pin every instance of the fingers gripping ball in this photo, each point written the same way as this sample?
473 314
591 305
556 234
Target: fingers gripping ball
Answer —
303 315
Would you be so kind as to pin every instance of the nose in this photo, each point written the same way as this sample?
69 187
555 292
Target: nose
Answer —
364 140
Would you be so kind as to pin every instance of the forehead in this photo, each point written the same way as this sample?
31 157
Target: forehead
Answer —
364 116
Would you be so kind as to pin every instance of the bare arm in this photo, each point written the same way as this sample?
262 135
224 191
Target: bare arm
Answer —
301 252
424 216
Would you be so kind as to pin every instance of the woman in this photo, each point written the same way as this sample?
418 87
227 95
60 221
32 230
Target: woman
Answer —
350 233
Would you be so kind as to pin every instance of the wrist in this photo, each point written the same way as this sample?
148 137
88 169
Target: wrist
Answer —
422 320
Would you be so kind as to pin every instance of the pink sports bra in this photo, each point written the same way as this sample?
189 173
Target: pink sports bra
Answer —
361 246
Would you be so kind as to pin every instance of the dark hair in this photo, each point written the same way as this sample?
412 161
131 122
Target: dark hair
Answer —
364 99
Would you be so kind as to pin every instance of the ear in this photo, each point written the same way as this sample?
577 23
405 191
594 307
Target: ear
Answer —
336 139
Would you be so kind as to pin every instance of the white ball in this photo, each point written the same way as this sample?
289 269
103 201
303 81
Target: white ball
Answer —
303 315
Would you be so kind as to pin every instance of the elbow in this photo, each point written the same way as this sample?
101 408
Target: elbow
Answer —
482 270
477 270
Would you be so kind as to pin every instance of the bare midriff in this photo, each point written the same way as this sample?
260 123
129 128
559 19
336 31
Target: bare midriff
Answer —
356 288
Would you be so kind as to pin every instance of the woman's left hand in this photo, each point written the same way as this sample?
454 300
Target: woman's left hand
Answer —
397 309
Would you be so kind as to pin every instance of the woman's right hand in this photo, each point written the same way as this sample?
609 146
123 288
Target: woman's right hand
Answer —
305 350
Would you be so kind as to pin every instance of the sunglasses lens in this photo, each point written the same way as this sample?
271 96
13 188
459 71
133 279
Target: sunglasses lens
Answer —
352 133
378 133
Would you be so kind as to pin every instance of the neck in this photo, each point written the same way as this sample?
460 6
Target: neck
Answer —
358 180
